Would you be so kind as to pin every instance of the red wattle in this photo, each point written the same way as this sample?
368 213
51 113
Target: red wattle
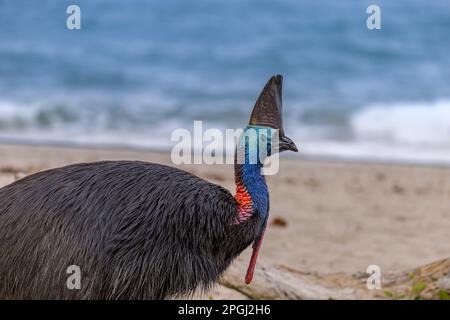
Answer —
252 264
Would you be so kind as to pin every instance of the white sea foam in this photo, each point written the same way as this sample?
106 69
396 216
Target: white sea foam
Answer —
418 133
400 132
11 111
421 124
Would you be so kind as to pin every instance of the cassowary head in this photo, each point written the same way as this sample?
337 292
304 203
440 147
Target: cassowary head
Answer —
264 134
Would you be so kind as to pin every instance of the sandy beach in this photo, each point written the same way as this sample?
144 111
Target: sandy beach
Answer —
325 216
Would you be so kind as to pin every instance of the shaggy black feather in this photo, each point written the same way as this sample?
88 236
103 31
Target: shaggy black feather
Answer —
137 230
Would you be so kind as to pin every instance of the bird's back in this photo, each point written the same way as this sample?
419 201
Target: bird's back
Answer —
136 230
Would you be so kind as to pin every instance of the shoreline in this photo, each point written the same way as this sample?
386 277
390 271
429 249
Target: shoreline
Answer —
165 150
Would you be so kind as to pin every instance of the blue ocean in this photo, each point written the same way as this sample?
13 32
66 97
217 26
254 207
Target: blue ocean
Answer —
137 70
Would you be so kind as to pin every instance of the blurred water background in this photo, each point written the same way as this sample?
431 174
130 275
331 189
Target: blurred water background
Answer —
139 69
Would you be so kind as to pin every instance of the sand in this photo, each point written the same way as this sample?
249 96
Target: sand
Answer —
325 216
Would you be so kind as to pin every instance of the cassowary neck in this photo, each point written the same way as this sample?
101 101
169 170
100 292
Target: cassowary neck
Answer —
251 191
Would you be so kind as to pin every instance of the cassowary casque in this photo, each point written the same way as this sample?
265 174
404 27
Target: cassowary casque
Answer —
137 230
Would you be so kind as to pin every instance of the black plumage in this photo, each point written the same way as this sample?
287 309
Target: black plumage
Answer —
135 229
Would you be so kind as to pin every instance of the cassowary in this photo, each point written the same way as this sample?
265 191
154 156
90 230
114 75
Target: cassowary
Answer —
136 230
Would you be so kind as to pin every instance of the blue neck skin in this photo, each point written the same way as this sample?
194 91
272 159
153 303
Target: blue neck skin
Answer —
249 174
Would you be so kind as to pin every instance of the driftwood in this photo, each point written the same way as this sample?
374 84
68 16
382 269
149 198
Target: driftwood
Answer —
431 281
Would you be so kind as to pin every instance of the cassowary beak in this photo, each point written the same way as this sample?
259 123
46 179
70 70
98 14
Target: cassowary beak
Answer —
268 111
287 144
